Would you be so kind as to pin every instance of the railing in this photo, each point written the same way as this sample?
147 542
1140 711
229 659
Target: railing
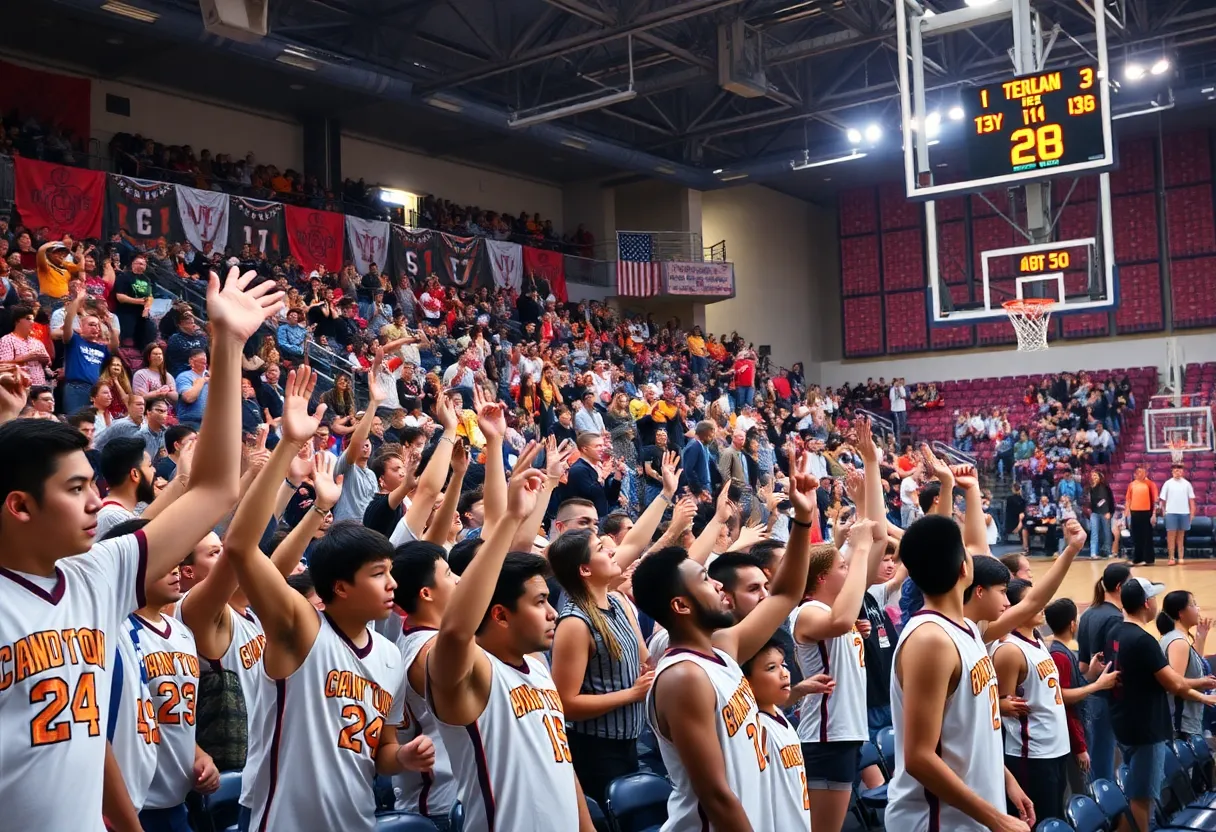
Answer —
953 455
879 424
716 253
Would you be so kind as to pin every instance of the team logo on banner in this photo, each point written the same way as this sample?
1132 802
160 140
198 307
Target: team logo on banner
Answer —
370 247
62 200
316 238
460 254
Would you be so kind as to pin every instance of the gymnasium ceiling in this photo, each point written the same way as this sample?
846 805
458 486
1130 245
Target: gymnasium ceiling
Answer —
829 65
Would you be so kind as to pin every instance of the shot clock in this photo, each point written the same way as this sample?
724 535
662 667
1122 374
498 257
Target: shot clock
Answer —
1034 126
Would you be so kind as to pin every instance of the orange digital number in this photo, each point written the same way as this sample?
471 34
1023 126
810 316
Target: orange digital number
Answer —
54 692
1036 144
759 738
1087 77
348 737
557 736
1079 105
1055 685
995 698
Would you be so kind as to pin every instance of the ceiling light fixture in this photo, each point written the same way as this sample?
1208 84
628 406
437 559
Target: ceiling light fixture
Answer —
445 103
132 12
516 121
394 196
1134 71
956 113
1160 66
807 164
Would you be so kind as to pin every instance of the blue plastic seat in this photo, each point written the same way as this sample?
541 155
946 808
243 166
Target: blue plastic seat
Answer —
1085 815
886 747
868 757
223 806
456 817
637 802
386 798
1053 825
1121 777
1110 800
403 822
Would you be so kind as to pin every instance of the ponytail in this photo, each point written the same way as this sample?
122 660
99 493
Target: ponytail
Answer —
1172 606
1099 594
570 551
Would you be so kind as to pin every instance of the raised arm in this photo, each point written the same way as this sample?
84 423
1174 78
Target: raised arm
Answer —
975 532
492 422
637 540
1039 595
441 522
703 546
872 458
943 474
70 310
236 313
452 663
815 624
788 586
432 479
291 623
364 427
557 463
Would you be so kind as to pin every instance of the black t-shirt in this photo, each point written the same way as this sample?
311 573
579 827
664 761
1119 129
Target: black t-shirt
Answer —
654 455
879 652
1139 706
381 517
133 286
326 326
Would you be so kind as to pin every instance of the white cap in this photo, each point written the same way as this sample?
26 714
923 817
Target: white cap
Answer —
1151 590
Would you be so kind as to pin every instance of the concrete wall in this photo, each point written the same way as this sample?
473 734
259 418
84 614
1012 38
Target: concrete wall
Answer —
172 118
1146 351
463 184
657 206
785 267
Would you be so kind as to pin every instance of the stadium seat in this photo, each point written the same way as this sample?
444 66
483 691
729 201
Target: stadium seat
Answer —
1085 815
403 822
886 747
386 798
1121 778
222 806
1204 760
597 816
1110 800
456 818
1053 825
637 802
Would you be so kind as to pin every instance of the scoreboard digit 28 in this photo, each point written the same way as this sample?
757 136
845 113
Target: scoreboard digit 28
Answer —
1035 126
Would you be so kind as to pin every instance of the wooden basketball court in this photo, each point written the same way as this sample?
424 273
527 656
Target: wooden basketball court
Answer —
1197 576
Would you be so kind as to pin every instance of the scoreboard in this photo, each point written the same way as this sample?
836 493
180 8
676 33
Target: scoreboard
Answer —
1035 126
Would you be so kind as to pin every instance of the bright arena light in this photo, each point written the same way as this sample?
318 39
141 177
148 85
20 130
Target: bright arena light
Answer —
873 133
854 135
956 113
1161 66
1133 71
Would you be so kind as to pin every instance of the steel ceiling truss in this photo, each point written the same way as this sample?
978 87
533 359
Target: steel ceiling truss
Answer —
829 63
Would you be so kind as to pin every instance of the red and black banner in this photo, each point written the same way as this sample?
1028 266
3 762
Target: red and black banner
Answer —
540 264
464 262
316 237
144 209
63 199
256 223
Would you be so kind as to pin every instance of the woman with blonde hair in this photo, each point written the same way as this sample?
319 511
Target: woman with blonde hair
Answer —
116 376
340 404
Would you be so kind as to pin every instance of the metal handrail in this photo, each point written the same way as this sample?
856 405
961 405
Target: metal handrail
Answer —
953 454
881 424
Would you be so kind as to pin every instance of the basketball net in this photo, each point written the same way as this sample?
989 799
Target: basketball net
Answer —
1178 450
1030 317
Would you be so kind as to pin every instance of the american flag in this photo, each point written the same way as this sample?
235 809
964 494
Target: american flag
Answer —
636 275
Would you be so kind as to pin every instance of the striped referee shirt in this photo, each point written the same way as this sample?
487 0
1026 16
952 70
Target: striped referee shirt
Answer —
605 674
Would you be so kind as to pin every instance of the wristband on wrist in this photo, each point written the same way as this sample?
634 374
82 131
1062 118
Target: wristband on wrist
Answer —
798 522
319 510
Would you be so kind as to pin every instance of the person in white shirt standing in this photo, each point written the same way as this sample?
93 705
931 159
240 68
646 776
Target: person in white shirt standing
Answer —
899 406
909 489
1177 503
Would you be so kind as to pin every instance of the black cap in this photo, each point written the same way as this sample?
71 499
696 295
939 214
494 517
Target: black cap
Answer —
1133 597
1115 574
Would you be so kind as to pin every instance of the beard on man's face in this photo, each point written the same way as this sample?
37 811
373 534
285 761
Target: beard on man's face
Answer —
145 491
711 619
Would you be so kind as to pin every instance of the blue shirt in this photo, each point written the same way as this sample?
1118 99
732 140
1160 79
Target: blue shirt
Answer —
83 360
191 413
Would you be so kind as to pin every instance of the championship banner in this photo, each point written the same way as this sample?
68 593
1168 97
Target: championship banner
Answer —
412 253
506 264
315 237
256 223
550 266
368 241
710 279
463 262
65 200
204 217
144 209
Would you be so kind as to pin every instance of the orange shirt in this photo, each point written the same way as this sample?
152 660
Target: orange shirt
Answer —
1141 495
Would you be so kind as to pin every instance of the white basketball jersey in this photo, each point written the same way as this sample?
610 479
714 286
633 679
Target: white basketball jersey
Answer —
512 766
433 792
318 731
134 736
55 683
841 716
786 799
171 665
740 737
970 741
1043 733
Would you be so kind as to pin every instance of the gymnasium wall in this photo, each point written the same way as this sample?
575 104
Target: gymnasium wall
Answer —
785 271
1165 247
171 118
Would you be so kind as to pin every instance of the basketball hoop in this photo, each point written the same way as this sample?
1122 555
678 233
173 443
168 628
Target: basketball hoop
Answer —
1030 317
1178 450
